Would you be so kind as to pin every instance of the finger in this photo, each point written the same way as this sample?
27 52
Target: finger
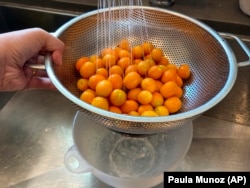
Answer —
57 57
55 46
39 73
35 67
40 82
31 72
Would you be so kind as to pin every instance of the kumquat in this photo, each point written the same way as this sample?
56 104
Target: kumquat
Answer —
135 80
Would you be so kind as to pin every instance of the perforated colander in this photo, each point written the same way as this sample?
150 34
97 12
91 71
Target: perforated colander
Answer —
183 40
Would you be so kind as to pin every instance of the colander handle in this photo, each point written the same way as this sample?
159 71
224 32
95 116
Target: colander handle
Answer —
72 155
242 45
36 66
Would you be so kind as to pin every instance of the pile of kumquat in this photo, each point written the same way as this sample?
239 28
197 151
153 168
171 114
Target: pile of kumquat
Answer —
134 80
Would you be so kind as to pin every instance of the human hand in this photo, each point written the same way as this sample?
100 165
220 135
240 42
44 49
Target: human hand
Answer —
27 46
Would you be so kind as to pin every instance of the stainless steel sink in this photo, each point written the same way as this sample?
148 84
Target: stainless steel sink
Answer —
36 125
235 107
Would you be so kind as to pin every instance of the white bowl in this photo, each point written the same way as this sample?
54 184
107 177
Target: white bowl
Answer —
122 160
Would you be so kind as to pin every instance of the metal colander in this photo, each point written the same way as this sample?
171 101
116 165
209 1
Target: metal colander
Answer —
183 40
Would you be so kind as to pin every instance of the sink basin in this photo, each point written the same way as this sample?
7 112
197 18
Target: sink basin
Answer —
235 107
36 125
24 18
